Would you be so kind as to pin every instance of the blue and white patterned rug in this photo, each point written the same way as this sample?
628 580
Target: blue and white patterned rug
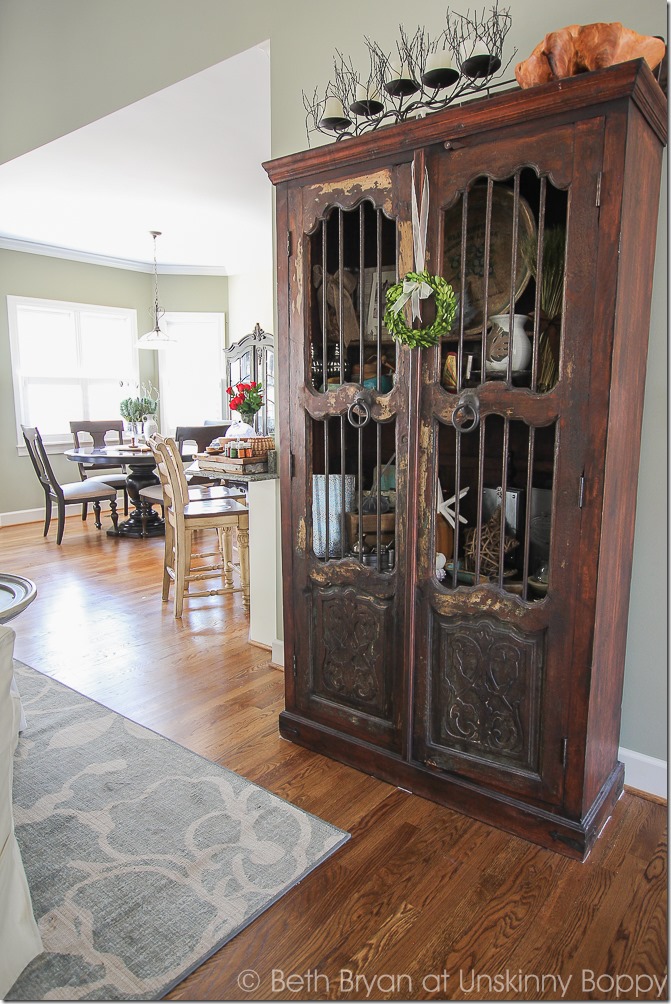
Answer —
142 857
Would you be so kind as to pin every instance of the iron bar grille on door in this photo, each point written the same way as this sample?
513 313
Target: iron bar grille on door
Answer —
353 261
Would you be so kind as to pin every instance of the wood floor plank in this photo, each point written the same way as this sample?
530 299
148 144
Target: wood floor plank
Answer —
420 896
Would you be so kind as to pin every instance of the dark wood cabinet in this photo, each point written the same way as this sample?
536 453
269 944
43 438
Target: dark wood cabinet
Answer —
489 679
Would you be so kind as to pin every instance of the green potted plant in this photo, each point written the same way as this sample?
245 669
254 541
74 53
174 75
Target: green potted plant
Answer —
136 410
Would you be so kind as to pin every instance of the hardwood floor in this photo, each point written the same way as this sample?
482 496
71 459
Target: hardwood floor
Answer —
422 903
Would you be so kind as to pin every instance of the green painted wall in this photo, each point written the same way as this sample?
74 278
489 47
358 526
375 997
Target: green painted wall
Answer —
68 63
251 300
207 293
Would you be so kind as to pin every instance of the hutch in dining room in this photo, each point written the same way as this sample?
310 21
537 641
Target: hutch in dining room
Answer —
253 358
458 520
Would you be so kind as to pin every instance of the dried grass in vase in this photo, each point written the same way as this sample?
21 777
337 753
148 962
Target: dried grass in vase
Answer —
551 299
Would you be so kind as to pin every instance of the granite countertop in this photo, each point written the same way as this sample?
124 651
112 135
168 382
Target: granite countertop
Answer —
241 478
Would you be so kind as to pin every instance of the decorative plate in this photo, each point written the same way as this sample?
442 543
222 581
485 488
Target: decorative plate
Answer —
500 254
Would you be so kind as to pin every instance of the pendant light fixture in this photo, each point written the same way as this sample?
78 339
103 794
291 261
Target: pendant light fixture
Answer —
156 338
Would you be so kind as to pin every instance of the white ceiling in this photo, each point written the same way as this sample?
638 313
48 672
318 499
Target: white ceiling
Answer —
185 161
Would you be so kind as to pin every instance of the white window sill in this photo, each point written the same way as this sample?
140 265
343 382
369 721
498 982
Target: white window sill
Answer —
60 446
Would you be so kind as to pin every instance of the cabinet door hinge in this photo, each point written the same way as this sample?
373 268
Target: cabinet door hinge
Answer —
564 751
295 668
288 243
581 491
598 188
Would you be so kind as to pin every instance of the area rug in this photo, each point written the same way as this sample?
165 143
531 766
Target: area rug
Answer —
142 857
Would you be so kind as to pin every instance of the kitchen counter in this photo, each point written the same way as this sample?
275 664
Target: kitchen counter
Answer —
263 503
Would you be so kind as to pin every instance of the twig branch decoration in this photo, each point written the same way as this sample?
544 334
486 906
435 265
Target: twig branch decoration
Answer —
422 75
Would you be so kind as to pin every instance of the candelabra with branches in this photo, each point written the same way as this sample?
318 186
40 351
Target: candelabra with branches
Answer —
423 75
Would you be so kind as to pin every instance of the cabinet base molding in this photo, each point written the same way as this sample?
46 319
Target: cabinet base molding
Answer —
552 830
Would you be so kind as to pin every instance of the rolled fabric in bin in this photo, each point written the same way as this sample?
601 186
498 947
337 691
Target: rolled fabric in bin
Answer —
341 499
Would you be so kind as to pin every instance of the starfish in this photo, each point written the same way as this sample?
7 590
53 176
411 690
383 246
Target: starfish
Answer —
444 507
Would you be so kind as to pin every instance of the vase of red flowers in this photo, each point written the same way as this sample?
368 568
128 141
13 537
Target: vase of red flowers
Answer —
246 399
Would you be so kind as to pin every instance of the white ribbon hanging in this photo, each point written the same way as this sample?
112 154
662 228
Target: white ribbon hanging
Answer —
413 290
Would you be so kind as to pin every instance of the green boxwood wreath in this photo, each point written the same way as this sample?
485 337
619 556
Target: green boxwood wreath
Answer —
446 308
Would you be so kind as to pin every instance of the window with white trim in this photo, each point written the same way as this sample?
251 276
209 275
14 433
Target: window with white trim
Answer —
192 369
68 362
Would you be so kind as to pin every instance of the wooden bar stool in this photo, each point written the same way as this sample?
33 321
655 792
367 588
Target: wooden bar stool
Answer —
182 518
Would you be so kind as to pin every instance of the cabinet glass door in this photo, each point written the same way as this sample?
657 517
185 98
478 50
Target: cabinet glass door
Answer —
240 370
267 377
349 392
500 476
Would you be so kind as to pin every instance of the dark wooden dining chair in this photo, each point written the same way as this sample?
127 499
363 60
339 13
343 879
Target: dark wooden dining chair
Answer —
98 432
202 436
77 492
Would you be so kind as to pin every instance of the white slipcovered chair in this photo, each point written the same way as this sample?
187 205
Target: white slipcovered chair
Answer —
19 937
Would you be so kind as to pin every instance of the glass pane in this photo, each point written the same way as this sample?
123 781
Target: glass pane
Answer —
103 399
235 372
52 406
197 348
245 368
106 345
270 392
502 455
353 255
354 484
48 344
504 256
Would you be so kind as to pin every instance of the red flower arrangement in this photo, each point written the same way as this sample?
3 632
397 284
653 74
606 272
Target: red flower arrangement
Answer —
246 398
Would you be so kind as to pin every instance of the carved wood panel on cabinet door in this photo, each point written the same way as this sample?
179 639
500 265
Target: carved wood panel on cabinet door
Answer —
348 397
503 402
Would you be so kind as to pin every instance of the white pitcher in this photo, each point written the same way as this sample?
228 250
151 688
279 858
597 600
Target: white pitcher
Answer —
498 344
150 427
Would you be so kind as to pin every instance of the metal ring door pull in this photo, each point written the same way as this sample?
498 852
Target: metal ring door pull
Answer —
466 415
358 413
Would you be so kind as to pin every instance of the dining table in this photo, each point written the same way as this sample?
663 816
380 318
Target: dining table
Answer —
143 520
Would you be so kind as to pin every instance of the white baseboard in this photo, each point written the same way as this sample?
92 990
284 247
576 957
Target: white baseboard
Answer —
646 773
277 657
37 515
22 516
